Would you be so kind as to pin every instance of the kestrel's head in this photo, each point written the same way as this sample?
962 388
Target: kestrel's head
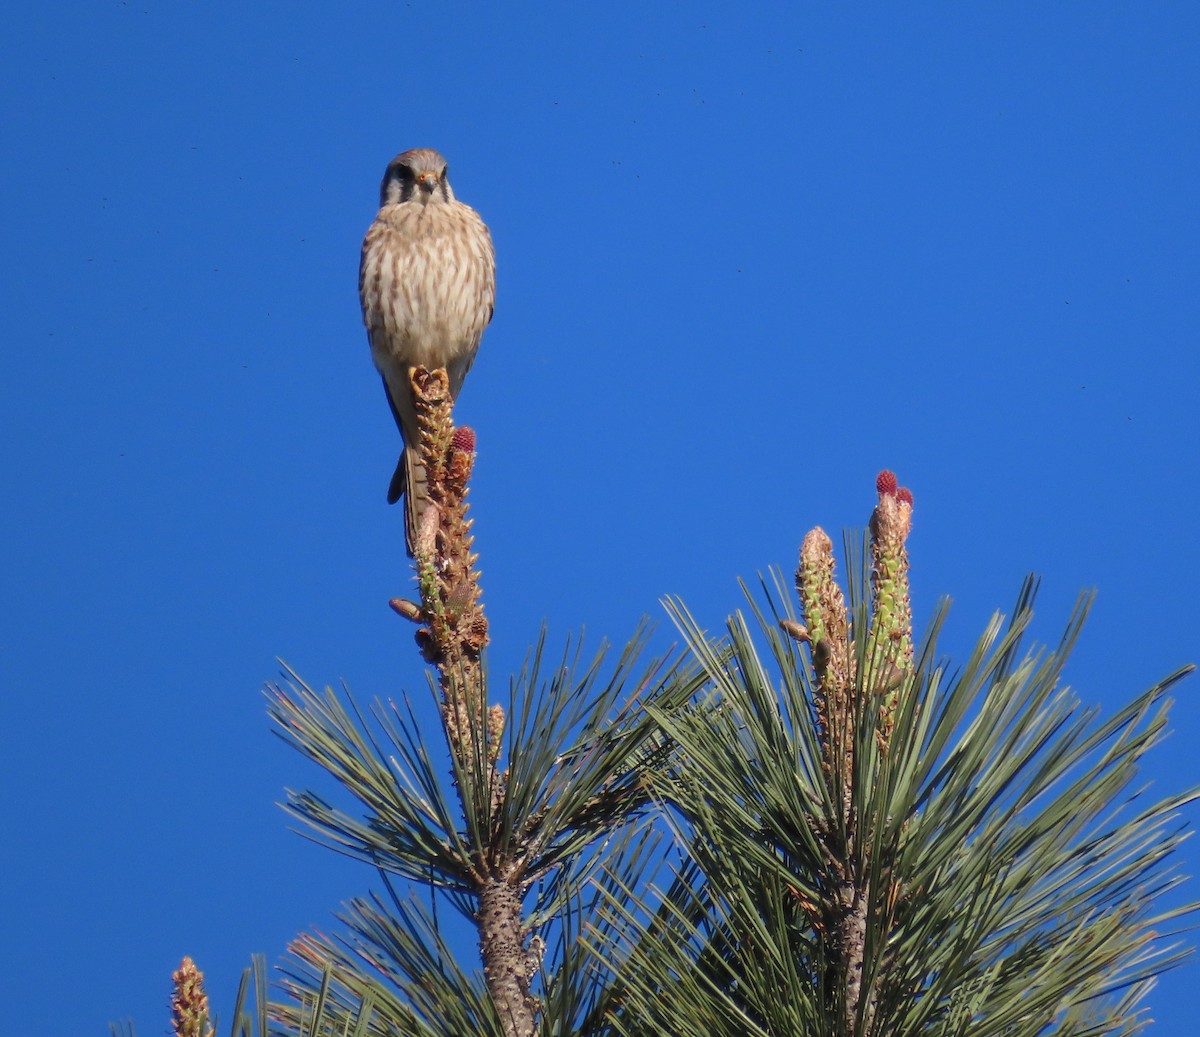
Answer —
418 175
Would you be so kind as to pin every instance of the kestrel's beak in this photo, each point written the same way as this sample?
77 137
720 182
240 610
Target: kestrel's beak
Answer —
427 182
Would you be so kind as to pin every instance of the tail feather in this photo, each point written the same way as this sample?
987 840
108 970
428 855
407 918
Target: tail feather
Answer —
409 482
416 491
396 486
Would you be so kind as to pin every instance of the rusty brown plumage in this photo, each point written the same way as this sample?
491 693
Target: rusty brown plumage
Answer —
427 283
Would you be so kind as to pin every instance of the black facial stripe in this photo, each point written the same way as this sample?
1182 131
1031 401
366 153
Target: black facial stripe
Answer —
407 181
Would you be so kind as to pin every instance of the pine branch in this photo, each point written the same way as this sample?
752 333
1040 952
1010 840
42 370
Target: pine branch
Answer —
456 629
902 848
576 748
189 1002
452 640
859 674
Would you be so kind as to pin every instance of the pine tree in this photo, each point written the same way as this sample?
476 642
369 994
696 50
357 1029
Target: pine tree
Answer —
812 824
878 843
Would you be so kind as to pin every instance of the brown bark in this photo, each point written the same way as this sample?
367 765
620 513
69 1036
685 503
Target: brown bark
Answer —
507 965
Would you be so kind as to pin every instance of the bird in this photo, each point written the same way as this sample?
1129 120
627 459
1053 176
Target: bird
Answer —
427 284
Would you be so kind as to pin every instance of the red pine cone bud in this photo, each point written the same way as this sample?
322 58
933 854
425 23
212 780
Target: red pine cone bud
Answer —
464 439
885 483
904 496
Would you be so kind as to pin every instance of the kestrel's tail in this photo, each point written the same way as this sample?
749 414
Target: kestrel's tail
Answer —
396 486
409 482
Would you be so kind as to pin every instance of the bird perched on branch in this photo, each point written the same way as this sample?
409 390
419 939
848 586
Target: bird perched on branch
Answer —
427 282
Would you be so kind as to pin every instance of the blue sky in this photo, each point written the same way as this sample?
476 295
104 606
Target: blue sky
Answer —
748 256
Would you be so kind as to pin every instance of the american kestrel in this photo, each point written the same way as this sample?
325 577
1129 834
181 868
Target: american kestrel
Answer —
427 281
